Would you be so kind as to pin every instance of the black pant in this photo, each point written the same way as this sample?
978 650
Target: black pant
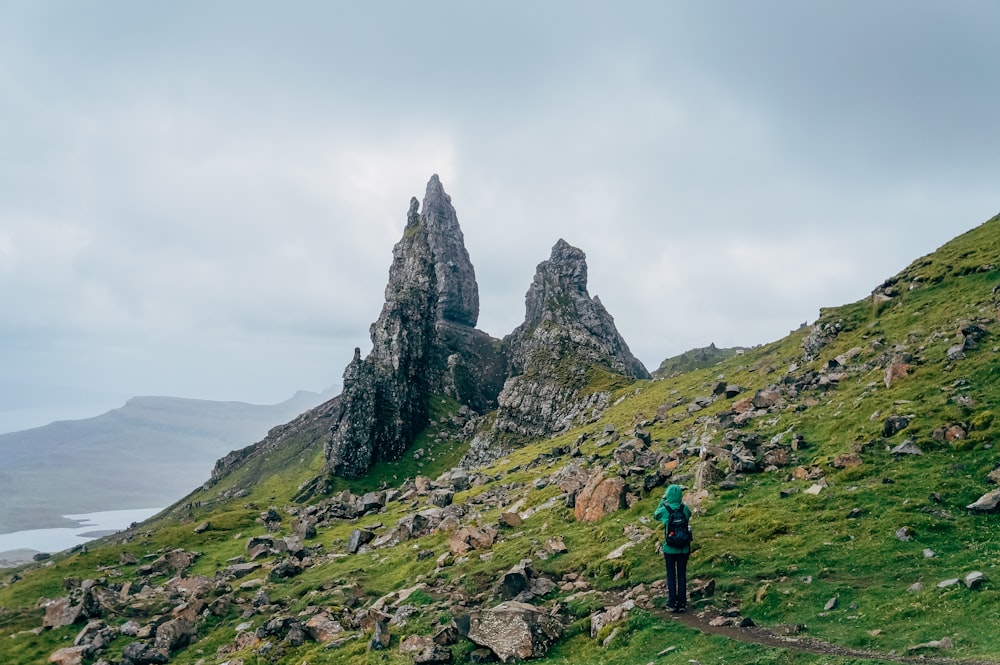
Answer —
677 565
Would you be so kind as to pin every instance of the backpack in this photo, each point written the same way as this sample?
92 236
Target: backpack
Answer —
678 532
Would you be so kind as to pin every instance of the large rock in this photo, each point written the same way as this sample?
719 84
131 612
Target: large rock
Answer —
469 538
174 634
424 650
70 655
62 612
601 496
987 503
514 630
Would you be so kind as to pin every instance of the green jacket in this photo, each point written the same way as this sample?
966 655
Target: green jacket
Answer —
672 498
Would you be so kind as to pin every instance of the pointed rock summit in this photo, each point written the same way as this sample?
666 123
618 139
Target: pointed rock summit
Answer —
567 338
558 299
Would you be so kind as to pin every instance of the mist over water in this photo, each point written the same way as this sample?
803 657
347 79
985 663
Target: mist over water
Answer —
91 525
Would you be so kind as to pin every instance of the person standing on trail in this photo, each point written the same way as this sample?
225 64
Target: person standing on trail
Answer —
676 545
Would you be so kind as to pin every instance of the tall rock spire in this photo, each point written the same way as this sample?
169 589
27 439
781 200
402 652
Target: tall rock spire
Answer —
424 338
458 293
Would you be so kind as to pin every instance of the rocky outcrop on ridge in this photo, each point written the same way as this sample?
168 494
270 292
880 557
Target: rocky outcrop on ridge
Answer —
566 334
424 342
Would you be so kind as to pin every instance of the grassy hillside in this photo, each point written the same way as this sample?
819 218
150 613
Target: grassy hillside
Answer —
833 513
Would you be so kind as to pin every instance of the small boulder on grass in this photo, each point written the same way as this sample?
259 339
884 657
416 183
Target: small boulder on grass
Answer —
974 580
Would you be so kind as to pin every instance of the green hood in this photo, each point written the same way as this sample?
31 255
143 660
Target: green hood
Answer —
673 496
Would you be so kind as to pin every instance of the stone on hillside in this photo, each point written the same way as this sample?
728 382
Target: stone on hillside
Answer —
894 424
424 650
514 630
513 582
814 489
203 527
323 627
469 538
442 497
599 620
831 604
975 579
907 447
238 570
943 643
127 559
847 461
143 653
358 538
70 655
994 476
601 496
897 369
381 637
62 612
777 457
987 503
372 501
174 634
705 474
555 545
916 587
955 433
950 582
905 533
511 519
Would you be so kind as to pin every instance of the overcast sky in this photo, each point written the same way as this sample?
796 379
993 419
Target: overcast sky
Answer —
200 199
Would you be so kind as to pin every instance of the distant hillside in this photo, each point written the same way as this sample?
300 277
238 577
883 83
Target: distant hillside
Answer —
144 454
695 359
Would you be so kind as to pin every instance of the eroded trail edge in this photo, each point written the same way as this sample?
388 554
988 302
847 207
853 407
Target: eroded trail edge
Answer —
702 621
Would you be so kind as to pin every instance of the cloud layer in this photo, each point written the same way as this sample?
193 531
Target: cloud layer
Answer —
201 200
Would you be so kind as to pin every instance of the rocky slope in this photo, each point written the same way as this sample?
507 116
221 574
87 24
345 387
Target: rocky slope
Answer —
842 480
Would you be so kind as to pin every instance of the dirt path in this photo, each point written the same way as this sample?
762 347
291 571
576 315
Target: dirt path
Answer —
701 621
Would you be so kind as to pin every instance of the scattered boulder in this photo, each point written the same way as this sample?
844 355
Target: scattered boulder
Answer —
895 424
425 650
514 630
358 538
601 496
599 620
174 634
70 655
943 643
469 538
987 503
323 627
907 447
975 580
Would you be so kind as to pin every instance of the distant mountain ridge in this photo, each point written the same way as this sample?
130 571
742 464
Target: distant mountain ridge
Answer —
147 453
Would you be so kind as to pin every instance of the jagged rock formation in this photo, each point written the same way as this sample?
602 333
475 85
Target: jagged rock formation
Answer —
423 343
566 335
